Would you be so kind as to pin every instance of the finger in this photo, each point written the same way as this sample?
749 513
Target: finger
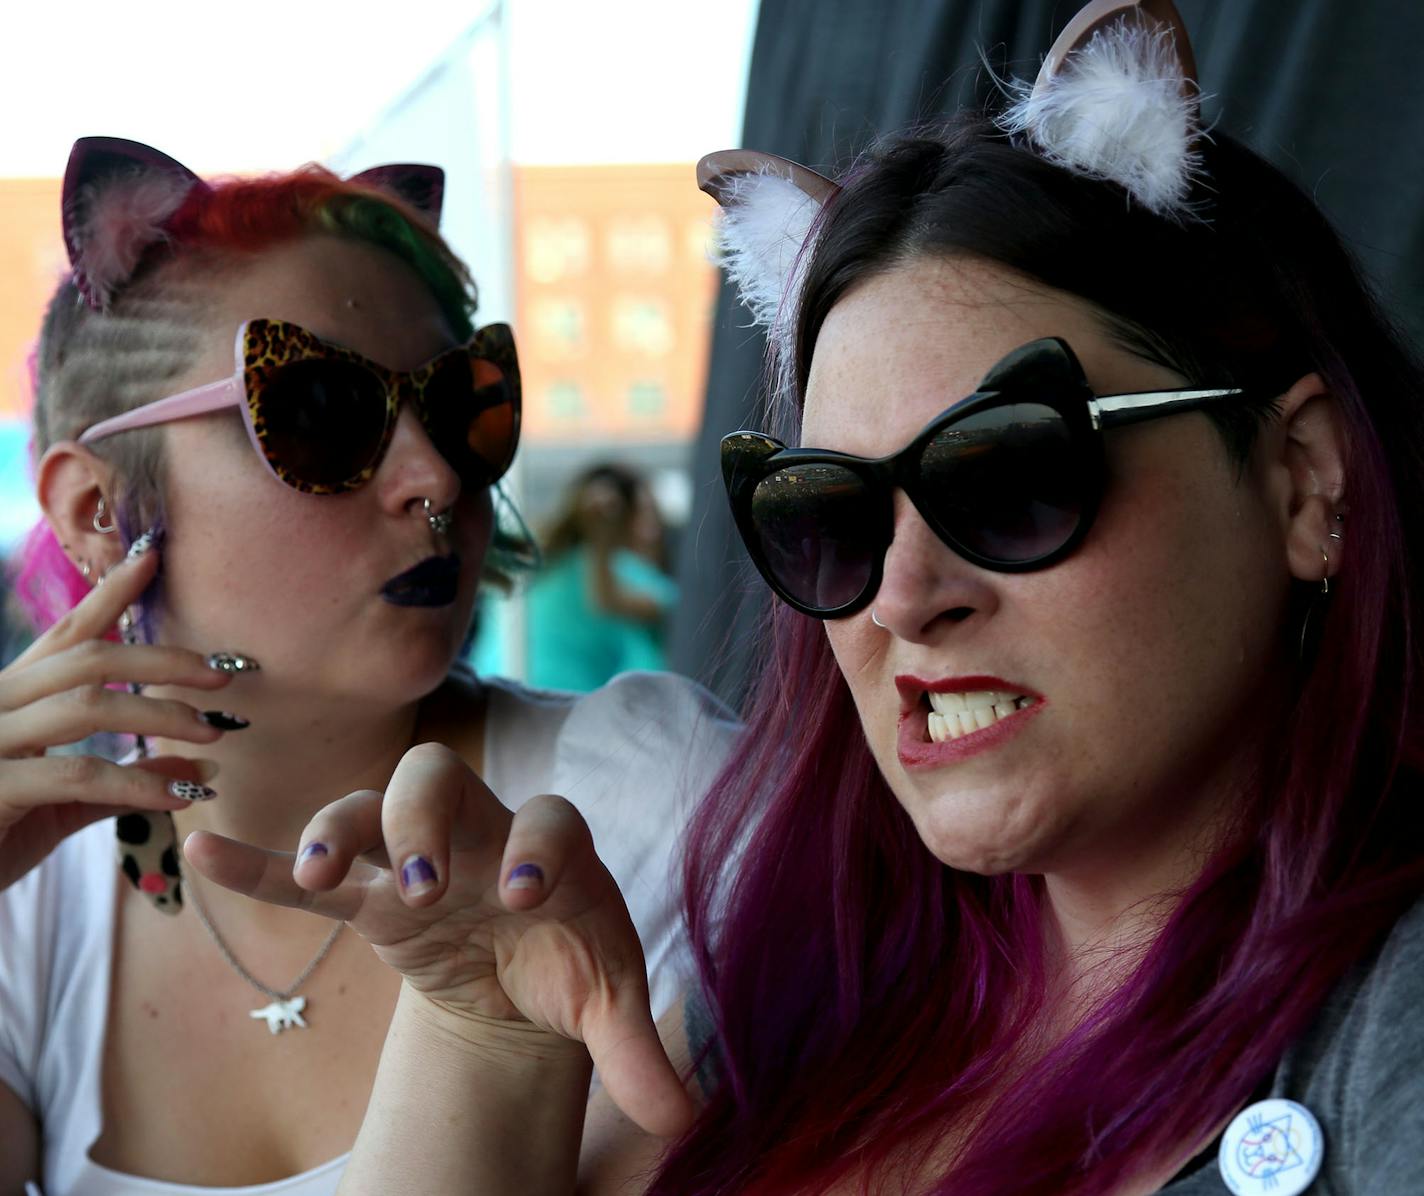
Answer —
546 834
266 876
55 780
429 787
634 1066
78 713
98 611
100 662
337 836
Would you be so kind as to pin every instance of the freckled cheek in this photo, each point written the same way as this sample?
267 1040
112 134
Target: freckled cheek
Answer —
859 649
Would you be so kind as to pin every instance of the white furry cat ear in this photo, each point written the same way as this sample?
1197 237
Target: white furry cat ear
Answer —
1117 99
769 209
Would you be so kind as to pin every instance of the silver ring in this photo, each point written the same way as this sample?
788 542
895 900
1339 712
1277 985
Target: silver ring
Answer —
874 618
440 522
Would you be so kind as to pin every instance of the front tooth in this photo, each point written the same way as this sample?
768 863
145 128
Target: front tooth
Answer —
1004 709
938 731
984 717
980 698
947 703
966 722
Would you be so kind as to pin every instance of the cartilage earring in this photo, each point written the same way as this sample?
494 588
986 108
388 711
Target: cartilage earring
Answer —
874 618
440 521
98 521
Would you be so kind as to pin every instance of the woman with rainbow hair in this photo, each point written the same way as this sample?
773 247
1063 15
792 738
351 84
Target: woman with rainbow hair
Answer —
269 435
1076 843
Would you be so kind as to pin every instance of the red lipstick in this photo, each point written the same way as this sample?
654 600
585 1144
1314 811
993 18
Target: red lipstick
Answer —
915 748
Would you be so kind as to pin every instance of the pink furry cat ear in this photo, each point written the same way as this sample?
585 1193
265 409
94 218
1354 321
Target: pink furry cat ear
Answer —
117 199
1117 99
420 185
769 210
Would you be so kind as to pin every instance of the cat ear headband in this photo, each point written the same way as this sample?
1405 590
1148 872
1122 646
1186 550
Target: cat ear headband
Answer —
119 197
1115 99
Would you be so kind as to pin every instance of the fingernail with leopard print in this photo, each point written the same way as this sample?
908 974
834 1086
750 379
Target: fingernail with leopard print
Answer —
191 791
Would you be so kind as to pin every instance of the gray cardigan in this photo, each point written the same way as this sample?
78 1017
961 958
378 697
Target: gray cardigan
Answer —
1360 1070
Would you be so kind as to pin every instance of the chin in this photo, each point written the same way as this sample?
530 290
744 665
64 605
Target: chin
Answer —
984 833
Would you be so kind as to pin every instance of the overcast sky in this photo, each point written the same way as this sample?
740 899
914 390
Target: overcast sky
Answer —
221 88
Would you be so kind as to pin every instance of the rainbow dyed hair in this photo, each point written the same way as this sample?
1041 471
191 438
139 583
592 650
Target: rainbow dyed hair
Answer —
867 998
127 321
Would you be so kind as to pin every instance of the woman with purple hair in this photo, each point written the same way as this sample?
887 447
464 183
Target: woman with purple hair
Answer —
268 430
1076 843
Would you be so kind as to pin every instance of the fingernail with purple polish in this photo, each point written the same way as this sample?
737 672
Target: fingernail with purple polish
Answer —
222 720
417 875
312 851
191 791
525 876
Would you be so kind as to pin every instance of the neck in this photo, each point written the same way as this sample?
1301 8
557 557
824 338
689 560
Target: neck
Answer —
294 758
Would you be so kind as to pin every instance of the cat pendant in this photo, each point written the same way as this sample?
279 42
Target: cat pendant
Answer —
282 1015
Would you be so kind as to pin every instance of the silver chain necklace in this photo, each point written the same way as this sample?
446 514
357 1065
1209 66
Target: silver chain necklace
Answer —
285 1010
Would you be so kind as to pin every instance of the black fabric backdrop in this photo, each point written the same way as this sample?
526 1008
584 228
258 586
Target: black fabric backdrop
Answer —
1330 90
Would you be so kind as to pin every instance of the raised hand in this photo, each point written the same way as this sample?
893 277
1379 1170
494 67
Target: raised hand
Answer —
500 919
58 692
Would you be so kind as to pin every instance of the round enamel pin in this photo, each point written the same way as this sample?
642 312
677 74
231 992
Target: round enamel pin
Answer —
1272 1147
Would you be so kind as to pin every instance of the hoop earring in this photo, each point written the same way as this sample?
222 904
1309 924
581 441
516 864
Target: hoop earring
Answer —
874 618
1312 625
98 521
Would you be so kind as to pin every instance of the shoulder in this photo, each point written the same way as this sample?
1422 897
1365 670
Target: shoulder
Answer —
55 938
639 723
651 722
1361 1068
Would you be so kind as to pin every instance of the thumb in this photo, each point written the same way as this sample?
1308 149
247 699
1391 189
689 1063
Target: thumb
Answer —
636 1071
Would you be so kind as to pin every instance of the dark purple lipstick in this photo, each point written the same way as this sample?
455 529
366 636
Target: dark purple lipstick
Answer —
433 582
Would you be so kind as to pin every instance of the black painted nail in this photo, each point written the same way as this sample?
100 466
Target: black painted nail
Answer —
223 721
233 662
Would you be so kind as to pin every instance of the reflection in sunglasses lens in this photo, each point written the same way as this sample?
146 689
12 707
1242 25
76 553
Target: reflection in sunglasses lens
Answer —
323 420
1006 482
469 412
818 533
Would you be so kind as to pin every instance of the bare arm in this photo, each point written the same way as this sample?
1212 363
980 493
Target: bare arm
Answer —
19 1144
462 1106
520 962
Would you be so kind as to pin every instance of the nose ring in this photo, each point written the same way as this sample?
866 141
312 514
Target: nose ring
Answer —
440 521
874 618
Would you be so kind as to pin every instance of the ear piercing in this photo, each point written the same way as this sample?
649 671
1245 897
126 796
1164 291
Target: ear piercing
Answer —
874 618
98 521
441 521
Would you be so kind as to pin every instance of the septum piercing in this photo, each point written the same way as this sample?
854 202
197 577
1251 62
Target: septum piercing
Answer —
440 522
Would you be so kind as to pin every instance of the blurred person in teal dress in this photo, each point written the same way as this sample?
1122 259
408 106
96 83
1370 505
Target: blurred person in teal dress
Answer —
599 605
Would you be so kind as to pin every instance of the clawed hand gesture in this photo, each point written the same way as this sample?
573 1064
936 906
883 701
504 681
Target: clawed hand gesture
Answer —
498 918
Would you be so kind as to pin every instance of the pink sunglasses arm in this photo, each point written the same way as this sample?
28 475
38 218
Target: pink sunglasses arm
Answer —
214 396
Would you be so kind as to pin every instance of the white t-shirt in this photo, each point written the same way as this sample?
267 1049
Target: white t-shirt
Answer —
633 757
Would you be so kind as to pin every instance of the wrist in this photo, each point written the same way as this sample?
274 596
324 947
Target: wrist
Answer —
513 1044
